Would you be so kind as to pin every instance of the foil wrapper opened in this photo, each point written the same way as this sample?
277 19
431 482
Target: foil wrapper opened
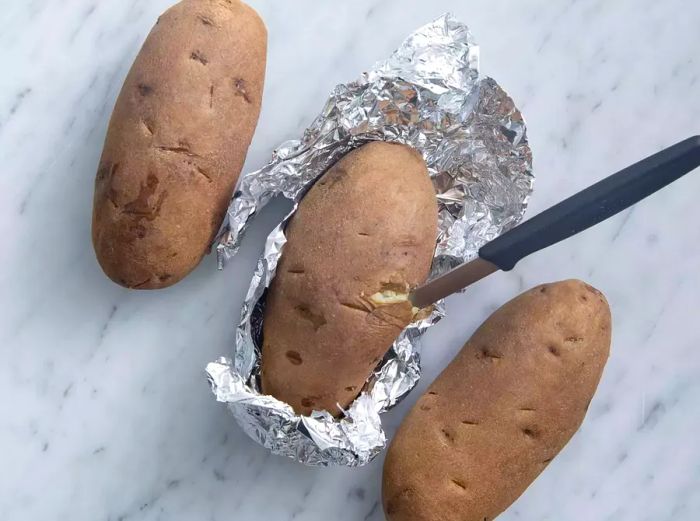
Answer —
428 95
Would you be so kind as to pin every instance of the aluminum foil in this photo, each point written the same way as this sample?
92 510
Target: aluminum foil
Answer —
428 94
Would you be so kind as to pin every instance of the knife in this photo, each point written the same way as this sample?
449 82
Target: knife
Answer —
571 216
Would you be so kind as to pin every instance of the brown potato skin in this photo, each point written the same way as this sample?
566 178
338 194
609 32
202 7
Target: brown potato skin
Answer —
368 224
177 141
504 407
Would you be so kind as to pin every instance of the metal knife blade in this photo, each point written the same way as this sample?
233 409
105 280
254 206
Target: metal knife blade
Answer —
451 282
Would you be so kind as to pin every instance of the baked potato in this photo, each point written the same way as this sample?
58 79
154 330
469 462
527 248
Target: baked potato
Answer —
505 406
361 238
177 141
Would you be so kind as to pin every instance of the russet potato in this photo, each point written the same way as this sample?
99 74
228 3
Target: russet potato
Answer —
177 141
505 406
361 238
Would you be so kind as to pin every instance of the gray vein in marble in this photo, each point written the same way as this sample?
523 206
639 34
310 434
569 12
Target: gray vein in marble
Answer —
627 214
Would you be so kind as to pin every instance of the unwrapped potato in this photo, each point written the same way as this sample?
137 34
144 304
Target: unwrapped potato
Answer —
504 407
362 237
177 141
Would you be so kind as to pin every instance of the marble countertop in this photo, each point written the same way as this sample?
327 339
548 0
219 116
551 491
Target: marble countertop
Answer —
105 414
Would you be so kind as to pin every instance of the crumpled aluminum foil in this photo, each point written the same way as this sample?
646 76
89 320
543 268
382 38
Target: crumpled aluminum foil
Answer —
428 95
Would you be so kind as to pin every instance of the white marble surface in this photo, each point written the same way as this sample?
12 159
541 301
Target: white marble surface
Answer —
104 411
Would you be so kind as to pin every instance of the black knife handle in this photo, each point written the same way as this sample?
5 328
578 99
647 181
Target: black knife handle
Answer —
594 204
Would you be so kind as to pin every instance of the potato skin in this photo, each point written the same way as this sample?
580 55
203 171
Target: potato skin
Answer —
369 224
504 407
177 141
